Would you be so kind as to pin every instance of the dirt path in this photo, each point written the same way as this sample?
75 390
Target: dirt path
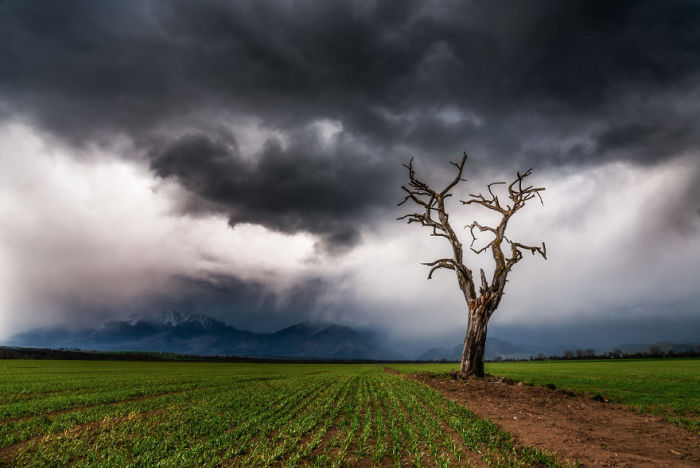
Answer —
575 428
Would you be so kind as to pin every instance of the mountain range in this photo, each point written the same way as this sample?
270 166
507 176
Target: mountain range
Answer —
198 334
176 332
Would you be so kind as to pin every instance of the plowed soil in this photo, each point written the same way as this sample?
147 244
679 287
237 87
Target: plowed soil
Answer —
574 427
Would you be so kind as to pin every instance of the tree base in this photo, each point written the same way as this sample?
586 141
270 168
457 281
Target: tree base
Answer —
466 375
463 376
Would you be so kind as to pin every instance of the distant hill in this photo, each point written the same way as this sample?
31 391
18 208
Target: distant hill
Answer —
506 350
197 334
174 332
494 348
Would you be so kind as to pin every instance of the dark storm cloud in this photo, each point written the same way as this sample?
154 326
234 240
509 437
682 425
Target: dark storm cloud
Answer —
431 78
648 141
298 188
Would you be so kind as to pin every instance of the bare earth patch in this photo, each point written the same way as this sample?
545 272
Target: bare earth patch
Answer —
575 428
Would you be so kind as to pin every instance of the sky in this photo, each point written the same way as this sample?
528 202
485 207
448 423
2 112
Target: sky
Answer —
243 160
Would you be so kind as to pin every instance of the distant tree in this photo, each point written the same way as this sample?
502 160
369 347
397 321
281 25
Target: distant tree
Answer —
589 353
617 352
433 214
499 358
579 353
568 354
655 350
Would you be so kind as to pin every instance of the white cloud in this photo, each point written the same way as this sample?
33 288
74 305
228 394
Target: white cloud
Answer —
326 130
100 232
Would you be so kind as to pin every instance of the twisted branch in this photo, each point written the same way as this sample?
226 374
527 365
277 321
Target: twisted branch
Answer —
434 216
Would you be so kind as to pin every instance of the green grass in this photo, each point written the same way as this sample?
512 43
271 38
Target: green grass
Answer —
666 387
110 413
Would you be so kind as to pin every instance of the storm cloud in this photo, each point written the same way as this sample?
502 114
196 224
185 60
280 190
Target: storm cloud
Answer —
294 117
304 187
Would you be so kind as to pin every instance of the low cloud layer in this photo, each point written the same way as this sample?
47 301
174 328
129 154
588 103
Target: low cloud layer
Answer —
242 159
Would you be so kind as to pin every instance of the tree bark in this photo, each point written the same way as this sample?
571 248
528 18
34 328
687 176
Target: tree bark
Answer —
474 346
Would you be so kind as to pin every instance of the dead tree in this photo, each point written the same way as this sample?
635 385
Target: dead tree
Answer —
432 214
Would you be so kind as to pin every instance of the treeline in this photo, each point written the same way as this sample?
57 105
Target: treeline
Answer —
572 355
12 352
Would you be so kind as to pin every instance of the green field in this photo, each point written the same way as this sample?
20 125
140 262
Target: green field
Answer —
114 413
111 413
667 387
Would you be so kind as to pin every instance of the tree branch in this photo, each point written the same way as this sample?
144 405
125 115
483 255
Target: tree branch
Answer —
458 177
435 217
446 263
481 228
517 252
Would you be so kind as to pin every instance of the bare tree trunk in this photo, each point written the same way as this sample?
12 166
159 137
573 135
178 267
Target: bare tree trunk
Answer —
474 346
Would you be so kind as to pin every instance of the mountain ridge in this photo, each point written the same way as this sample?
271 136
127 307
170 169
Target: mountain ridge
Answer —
175 332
